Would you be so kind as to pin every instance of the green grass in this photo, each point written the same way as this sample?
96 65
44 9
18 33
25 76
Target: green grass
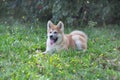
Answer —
20 61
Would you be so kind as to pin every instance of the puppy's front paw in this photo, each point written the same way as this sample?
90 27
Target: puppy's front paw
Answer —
44 52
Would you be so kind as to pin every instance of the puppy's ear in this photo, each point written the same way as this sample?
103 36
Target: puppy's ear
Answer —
60 25
49 25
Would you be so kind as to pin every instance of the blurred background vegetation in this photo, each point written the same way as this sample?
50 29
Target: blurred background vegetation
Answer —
72 12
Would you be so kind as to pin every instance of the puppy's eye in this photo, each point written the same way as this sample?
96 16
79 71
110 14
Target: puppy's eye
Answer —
55 32
50 32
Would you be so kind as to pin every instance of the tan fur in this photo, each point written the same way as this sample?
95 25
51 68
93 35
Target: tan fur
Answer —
75 40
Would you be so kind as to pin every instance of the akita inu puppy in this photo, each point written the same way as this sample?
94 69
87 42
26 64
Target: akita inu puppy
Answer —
57 40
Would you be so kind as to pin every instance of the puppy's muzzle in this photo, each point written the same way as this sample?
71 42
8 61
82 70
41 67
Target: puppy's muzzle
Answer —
51 36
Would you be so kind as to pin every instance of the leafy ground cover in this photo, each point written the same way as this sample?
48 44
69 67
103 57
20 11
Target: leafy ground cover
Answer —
20 61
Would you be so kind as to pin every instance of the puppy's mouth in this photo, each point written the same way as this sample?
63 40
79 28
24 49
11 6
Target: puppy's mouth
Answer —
53 40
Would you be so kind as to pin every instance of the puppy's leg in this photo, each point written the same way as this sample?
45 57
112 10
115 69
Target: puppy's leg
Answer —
44 52
80 45
78 42
49 50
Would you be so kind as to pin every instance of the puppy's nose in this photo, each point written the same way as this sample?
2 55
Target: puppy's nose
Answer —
51 36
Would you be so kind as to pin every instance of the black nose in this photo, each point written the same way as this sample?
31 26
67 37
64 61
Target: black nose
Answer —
51 36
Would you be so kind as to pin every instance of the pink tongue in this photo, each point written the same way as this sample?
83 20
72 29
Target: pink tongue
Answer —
51 42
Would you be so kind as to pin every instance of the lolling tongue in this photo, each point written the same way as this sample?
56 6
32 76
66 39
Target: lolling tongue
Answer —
52 42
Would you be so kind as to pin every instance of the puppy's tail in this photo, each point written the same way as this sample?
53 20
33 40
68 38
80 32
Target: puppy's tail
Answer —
81 33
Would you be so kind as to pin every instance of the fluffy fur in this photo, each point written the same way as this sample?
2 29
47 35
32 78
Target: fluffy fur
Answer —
58 41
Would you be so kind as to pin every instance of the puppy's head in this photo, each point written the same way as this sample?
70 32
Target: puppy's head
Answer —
55 32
